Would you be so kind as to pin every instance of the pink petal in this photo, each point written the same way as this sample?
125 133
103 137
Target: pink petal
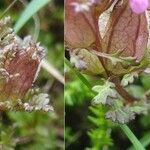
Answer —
148 5
139 6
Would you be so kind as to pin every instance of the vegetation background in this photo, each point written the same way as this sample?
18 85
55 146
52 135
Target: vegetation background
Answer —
86 126
38 130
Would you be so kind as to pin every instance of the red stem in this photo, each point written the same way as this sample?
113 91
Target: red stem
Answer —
122 92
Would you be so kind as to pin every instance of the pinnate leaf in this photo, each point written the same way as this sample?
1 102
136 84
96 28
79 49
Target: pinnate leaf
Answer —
104 92
129 78
120 115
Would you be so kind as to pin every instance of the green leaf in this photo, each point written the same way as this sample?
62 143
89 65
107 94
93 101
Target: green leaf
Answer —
122 116
146 59
136 91
41 102
104 91
33 7
140 107
128 78
145 79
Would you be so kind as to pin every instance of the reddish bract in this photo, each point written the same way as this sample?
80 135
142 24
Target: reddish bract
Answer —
78 26
127 32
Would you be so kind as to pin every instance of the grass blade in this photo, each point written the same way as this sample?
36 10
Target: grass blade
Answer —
33 7
145 141
79 75
136 143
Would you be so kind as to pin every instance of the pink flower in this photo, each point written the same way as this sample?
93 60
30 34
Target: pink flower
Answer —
139 6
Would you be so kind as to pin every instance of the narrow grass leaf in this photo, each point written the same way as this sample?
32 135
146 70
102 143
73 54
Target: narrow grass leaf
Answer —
136 143
33 7
145 141
79 75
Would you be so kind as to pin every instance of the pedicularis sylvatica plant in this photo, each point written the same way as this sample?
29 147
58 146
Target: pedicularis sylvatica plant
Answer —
19 65
110 38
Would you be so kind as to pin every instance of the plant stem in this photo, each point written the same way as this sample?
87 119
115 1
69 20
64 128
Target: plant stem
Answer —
53 71
136 143
79 75
122 92
145 141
